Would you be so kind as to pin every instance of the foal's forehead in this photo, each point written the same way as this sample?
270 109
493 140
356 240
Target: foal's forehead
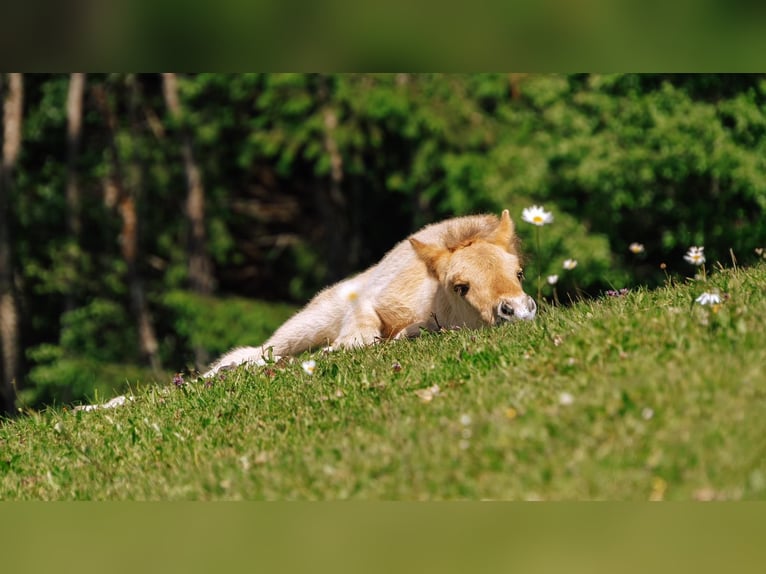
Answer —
481 253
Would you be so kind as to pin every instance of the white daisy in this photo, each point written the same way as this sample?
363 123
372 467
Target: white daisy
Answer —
309 366
695 255
570 264
536 215
708 299
636 248
426 395
553 279
566 399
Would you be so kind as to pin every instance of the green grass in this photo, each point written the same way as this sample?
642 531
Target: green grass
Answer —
628 398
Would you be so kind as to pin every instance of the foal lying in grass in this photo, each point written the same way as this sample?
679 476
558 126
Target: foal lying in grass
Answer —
463 272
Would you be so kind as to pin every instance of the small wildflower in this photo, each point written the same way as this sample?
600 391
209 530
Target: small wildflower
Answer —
178 380
636 248
647 413
553 279
464 444
695 255
663 266
708 299
622 292
465 420
570 264
566 399
426 395
511 413
309 366
536 215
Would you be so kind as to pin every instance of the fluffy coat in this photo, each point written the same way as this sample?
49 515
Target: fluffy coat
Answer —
463 272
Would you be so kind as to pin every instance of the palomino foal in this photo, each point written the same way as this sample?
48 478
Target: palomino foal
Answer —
463 272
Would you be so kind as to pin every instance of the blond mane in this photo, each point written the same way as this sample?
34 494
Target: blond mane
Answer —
463 231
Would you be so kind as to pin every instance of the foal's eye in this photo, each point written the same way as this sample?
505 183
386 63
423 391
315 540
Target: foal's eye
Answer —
461 289
520 275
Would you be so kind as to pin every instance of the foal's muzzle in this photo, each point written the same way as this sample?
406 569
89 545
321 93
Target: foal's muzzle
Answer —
522 308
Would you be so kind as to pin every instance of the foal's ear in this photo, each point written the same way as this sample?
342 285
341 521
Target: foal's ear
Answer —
503 234
432 255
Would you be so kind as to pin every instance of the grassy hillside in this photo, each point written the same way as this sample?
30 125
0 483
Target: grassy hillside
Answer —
645 395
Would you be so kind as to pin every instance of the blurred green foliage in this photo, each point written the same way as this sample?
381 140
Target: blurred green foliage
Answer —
97 356
220 323
311 177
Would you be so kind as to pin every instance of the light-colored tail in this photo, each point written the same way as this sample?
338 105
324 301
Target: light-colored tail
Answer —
238 356
316 325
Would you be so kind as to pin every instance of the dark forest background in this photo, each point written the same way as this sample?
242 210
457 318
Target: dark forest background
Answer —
151 221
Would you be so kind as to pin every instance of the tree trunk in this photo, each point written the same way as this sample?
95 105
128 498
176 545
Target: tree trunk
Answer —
74 137
125 198
9 318
514 82
333 206
200 267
